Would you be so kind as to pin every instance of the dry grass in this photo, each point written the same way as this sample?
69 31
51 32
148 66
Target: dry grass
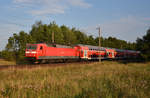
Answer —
4 62
106 80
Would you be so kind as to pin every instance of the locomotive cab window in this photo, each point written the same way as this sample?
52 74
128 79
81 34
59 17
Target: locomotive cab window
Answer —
41 48
31 47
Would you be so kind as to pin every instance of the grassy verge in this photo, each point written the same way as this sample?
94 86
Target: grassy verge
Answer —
105 80
4 62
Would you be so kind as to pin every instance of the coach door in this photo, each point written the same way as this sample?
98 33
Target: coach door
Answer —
113 55
85 53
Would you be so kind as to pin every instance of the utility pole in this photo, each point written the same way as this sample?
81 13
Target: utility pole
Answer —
99 31
53 37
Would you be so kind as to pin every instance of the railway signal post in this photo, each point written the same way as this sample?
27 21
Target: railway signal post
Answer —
99 31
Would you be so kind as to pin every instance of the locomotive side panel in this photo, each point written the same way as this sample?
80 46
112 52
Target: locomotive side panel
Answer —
59 53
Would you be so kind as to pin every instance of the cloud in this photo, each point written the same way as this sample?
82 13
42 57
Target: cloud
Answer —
23 1
147 19
79 3
45 7
48 10
126 28
6 31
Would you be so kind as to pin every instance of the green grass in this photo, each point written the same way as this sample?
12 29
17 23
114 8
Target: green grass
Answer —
4 62
105 80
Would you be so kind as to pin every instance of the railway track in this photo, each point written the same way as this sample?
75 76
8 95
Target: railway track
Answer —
30 66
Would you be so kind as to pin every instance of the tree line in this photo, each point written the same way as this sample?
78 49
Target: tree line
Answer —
42 33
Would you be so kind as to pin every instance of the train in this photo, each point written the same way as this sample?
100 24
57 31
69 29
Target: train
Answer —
47 52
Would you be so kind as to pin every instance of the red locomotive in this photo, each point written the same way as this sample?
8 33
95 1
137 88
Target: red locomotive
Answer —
39 52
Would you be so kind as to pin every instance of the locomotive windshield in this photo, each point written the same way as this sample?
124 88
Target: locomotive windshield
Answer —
31 47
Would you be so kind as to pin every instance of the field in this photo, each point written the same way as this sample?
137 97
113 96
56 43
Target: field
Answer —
4 62
95 80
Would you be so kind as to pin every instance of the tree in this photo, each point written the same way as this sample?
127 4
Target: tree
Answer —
40 32
81 37
69 36
17 44
91 40
143 45
58 35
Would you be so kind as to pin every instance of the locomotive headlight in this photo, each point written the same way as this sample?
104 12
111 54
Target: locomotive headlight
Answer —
34 52
27 52
30 53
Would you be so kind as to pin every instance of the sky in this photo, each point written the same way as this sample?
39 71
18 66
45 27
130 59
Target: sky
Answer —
123 19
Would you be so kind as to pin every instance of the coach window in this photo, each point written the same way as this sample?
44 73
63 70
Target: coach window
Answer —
108 53
41 48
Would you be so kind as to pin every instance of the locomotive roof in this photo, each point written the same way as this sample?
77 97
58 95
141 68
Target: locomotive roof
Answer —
63 46
58 46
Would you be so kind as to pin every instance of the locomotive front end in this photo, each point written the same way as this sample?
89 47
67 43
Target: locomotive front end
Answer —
31 51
